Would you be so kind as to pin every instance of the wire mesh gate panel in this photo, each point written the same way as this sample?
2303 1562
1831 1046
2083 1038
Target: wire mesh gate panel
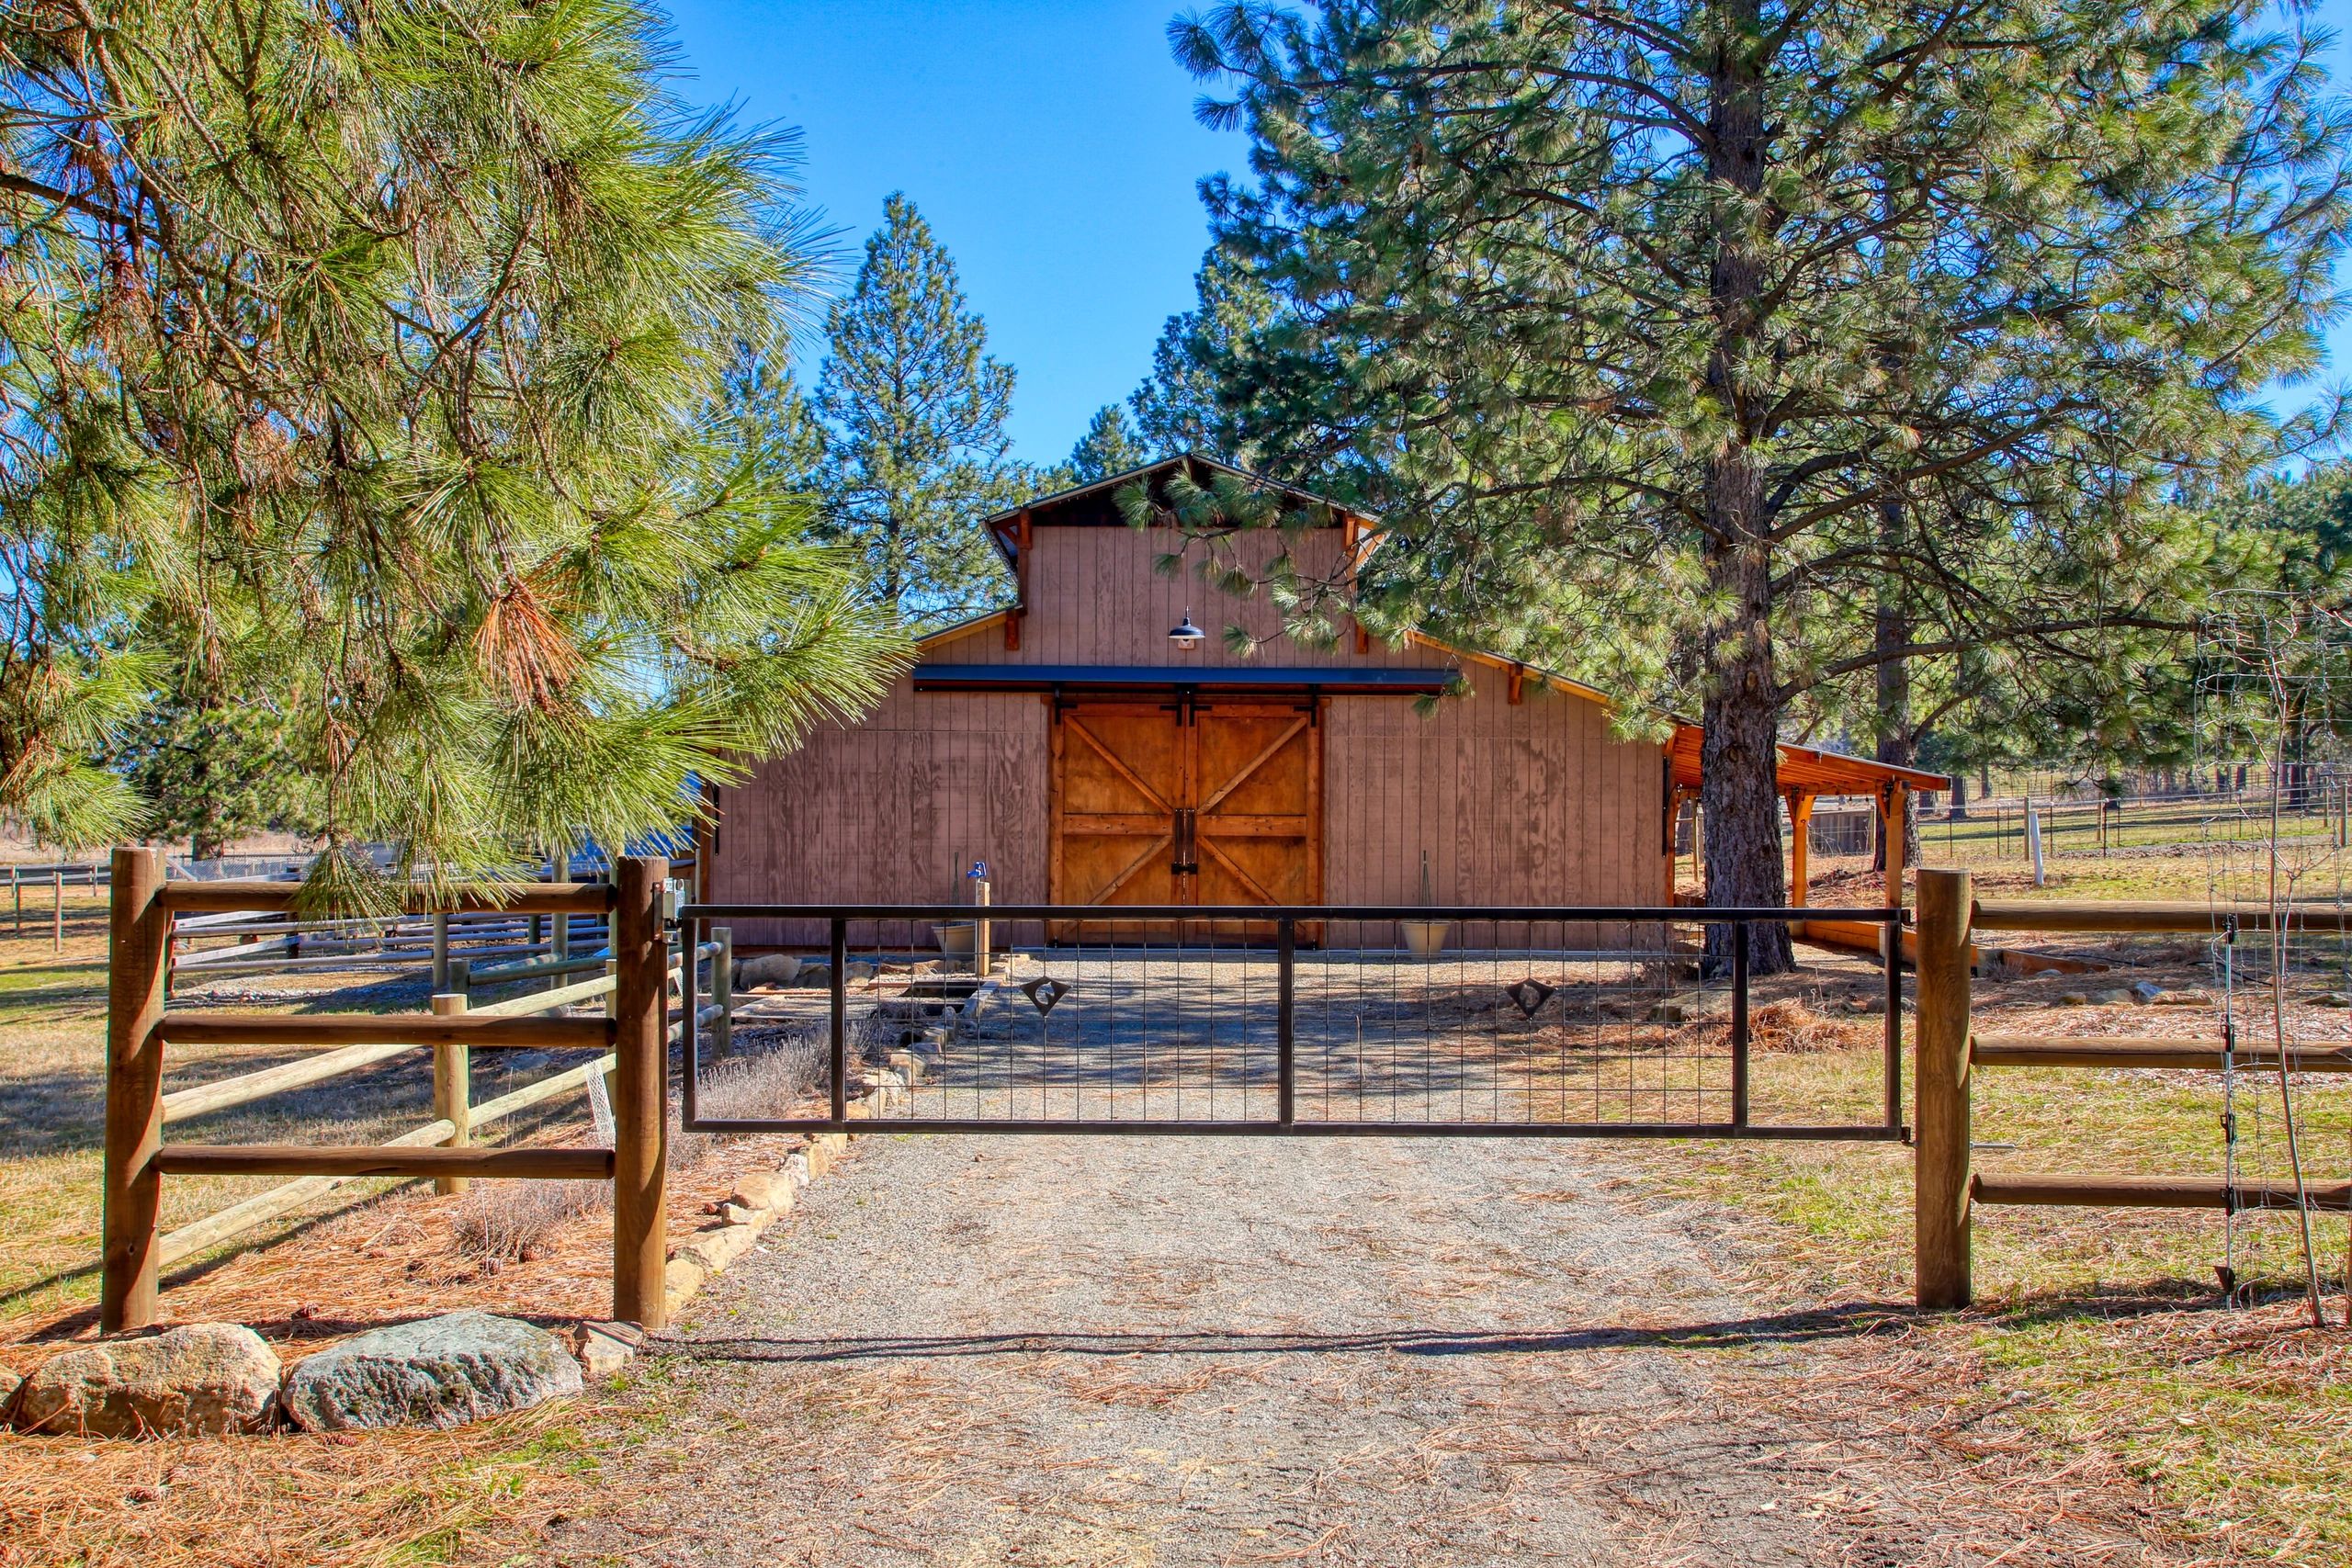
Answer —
1276 1020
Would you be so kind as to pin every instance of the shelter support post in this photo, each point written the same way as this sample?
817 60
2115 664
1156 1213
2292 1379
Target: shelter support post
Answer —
1800 847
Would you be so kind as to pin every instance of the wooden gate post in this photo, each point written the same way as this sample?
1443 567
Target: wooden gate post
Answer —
641 1101
139 940
1940 1065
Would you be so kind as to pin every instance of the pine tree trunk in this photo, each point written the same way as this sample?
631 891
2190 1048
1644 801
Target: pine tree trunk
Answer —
1890 631
1739 758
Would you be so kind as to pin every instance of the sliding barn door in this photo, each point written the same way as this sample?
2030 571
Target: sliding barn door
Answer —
1186 802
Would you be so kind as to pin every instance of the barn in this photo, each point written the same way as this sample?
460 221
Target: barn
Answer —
1092 750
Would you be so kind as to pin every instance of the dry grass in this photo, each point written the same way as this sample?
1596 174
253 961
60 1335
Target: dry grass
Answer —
2099 1338
321 1502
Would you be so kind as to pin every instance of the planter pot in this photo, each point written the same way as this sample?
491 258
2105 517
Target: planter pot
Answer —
1425 938
955 938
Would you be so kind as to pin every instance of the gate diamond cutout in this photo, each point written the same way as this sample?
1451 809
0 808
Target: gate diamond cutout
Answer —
1528 995
1043 992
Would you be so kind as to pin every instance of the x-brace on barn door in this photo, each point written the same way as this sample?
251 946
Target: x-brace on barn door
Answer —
1187 801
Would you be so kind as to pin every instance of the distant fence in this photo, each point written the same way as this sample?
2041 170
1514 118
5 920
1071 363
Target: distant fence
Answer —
632 1062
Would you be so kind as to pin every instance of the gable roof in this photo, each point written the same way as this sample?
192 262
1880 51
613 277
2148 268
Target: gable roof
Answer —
1806 769
1090 504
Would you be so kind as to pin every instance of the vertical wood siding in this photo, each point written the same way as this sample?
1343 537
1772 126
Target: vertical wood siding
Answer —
1532 803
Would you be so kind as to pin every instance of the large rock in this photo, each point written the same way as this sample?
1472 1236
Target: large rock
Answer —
207 1377
768 969
443 1372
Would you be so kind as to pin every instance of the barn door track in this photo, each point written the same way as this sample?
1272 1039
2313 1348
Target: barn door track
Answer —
1156 1353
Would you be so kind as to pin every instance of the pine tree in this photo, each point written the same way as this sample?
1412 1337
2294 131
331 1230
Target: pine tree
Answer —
215 771
1675 331
1108 447
916 410
370 361
1178 409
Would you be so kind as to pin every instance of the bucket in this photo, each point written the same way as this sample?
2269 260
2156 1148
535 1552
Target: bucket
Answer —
1425 938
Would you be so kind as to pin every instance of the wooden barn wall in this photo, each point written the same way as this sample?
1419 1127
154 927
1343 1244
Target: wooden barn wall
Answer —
892 810
1527 804
1531 803
1095 598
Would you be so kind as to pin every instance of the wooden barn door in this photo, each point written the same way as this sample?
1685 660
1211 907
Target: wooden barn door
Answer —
1186 802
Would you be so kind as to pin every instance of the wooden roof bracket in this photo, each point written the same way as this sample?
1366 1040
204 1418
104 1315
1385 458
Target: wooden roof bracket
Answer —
1020 610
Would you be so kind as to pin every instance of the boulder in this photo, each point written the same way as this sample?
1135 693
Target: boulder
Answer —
605 1347
764 1189
768 969
9 1384
206 1377
717 1249
2183 1000
443 1372
798 1168
2332 1000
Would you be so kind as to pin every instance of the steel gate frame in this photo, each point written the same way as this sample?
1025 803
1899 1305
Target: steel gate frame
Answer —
690 918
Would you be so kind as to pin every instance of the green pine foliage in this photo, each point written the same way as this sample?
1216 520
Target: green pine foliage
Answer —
379 352
1666 337
215 771
1180 408
915 411
1108 447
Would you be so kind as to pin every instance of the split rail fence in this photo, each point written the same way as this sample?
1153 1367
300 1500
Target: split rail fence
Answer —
1948 1052
632 1043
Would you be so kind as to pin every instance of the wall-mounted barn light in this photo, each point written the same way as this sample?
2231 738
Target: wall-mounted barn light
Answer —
1187 635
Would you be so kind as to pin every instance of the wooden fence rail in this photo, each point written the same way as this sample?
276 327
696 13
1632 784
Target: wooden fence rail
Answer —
631 1045
1947 1054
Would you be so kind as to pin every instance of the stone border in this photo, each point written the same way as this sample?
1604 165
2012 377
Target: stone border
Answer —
604 1349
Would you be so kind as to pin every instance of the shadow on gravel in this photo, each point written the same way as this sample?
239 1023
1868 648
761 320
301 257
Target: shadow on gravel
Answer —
1852 1321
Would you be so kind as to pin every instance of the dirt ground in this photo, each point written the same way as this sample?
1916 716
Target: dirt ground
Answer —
1194 1351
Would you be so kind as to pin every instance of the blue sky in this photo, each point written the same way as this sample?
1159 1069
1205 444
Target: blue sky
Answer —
1050 142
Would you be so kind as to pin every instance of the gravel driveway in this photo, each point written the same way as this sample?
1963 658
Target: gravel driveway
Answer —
1057 1352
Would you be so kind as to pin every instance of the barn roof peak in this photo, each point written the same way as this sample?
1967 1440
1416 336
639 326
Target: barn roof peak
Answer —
1092 504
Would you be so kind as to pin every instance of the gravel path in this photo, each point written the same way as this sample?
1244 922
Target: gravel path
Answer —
1057 1352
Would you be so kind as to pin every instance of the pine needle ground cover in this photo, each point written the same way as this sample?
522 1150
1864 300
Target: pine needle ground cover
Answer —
303 1283
2099 1346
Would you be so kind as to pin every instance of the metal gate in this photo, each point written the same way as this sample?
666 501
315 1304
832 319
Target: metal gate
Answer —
1183 1020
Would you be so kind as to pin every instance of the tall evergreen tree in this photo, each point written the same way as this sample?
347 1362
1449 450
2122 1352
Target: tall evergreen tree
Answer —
1178 408
1674 328
370 359
917 452
1108 447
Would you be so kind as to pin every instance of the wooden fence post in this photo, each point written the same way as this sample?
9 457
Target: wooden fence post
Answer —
453 1099
139 937
440 953
1940 1066
57 908
641 1105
